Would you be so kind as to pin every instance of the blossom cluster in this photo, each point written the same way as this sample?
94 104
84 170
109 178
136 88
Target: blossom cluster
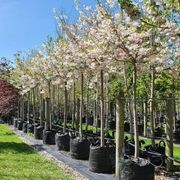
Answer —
104 38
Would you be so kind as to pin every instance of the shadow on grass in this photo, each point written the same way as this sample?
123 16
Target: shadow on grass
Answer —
16 148
9 133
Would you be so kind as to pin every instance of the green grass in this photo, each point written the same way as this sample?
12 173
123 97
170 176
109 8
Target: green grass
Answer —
18 161
177 153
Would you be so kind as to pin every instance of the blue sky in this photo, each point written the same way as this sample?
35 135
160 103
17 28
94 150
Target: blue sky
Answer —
25 24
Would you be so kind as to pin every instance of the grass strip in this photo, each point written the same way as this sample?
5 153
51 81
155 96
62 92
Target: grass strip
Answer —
21 162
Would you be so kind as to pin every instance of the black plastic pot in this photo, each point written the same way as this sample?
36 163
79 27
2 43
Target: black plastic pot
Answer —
38 132
112 125
10 121
176 136
24 128
126 126
15 123
158 132
140 128
98 123
102 159
62 141
136 169
20 125
79 148
30 128
49 137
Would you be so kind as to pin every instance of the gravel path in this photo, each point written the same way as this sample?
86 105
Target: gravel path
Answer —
79 168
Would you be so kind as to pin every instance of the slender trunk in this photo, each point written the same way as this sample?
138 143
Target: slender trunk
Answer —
136 131
174 119
95 115
28 107
81 105
22 108
169 132
65 107
174 103
47 114
102 108
87 106
152 110
96 108
34 104
53 103
78 115
129 102
58 95
41 110
19 106
120 118
74 104
145 117
106 105
49 105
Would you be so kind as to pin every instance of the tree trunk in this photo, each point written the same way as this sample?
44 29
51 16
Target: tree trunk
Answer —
102 108
106 105
34 104
136 131
78 115
41 110
87 105
65 107
145 117
174 103
19 107
81 105
129 102
152 110
120 118
53 103
49 105
74 104
169 132
22 108
28 107
47 114
96 108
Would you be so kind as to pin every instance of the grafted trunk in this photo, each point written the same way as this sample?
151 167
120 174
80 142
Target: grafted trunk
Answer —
128 103
106 105
22 108
41 110
49 105
169 131
78 115
145 117
136 132
53 102
47 114
28 106
96 109
65 107
74 104
152 109
87 106
120 118
81 105
19 107
102 108
34 104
